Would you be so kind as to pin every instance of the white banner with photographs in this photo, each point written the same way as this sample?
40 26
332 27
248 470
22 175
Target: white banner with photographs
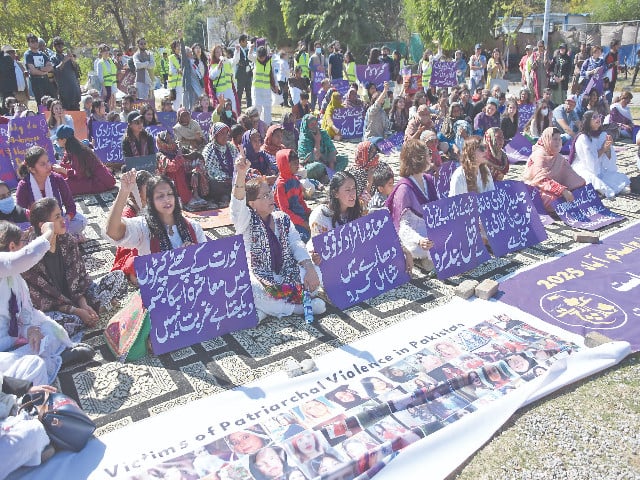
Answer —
422 395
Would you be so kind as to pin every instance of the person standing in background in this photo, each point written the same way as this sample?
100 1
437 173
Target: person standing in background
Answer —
244 69
144 63
67 73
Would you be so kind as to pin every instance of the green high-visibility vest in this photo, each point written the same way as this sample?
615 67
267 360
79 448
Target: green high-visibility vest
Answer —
223 82
109 70
175 80
350 72
426 75
303 62
262 75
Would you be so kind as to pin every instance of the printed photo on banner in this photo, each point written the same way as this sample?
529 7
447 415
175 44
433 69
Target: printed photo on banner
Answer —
361 259
196 293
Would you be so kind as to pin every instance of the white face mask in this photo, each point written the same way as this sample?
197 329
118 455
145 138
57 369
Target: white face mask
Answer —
319 51
544 111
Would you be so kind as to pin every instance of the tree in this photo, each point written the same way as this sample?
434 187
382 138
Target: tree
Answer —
607 10
458 24
263 18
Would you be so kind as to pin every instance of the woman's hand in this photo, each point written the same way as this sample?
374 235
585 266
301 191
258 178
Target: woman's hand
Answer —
315 258
242 165
567 195
425 244
408 260
59 169
128 182
311 280
34 335
42 389
88 316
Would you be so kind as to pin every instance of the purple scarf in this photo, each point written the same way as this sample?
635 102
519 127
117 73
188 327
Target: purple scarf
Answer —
13 312
407 195
275 249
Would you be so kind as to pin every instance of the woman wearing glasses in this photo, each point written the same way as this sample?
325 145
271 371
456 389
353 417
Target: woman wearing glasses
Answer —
473 174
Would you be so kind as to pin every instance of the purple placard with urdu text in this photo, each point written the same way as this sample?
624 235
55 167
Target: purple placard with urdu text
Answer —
316 81
590 289
349 121
7 167
204 120
525 112
377 74
454 228
154 130
391 144
519 149
107 141
361 259
509 218
25 132
443 181
443 74
586 211
167 119
196 293
536 199
596 81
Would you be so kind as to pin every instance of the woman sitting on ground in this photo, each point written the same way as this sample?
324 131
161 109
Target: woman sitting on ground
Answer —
539 121
399 115
414 189
621 115
497 160
258 159
187 172
9 210
327 119
473 174
98 114
272 144
162 226
317 151
137 142
38 181
219 155
148 116
343 206
366 162
59 283
509 121
188 132
18 317
280 265
488 117
549 171
288 192
593 157
58 117
135 203
85 172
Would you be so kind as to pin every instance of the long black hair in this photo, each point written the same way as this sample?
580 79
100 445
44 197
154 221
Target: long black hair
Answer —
9 232
73 146
353 213
156 227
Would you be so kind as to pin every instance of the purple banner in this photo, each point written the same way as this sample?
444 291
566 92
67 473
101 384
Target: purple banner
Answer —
454 228
349 121
316 81
590 289
107 141
376 73
361 259
154 130
525 112
443 74
392 144
509 218
586 211
595 82
167 119
519 149
536 199
342 86
204 120
443 180
25 132
7 167
196 293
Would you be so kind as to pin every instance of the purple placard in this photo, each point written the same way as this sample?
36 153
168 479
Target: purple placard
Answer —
391 144
167 119
443 180
590 289
586 211
107 140
25 132
509 218
376 73
525 112
361 259
596 81
139 103
316 81
7 167
154 130
196 293
204 120
443 74
454 228
536 199
349 121
519 149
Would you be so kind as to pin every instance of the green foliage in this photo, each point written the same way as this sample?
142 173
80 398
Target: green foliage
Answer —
607 10
263 18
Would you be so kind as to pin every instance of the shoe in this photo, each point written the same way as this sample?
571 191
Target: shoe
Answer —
80 353
318 306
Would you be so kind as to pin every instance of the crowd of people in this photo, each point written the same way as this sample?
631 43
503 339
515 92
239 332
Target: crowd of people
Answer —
264 171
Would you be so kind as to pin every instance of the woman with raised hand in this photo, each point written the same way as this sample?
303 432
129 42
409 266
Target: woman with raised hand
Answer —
161 227
279 264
